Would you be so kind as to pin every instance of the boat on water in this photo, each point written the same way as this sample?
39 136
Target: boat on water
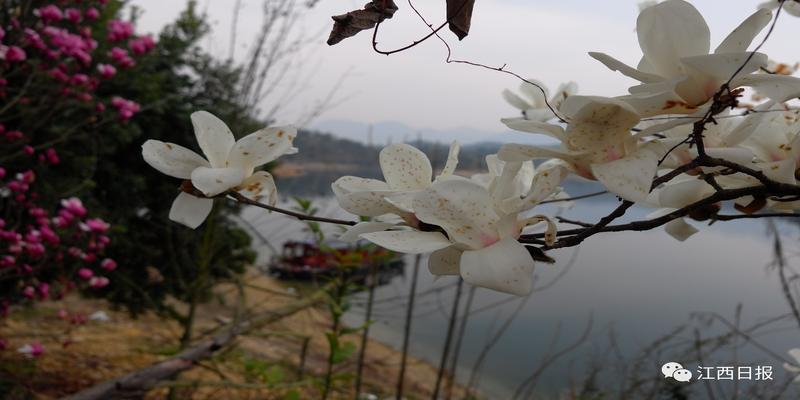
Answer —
309 260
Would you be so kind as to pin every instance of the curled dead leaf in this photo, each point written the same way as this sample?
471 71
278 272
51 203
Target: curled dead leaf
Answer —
347 25
459 15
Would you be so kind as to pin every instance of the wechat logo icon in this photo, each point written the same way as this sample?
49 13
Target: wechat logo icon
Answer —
676 371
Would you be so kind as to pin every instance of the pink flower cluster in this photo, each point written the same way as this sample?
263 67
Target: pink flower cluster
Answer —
63 39
125 108
50 252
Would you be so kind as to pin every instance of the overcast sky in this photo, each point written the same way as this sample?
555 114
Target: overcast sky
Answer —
543 39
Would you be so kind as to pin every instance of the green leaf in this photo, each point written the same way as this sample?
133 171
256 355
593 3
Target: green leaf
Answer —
344 352
274 375
292 395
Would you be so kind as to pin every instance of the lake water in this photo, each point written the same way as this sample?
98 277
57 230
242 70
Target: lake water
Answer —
635 287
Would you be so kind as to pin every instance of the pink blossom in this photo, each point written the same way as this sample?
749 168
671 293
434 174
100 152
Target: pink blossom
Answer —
119 30
142 45
108 264
106 70
33 38
73 15
50 13
35 250
120 57
75 206
52 156
125 108
7 261
85 273
14 54
49 236
92 13
98 282
96 225
29 150
2 175
44 290
80 79
89 257
29 292
59 75
2 33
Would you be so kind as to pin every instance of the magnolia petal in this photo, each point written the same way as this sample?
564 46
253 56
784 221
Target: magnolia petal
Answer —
213 136
546 182
530 126
741 37
524 152
616 65
795 353
629 177
171 159
505 266
779 88
745 129
550 232
681 194
190 210
261 147
537 94
362 196
792 368
538 114
353 234
462 208
411 242
515 101
666 102
670 31
445 261
213 181
503 187
735 154
405 167
679 229
609 111
709 72
402 200
452 159
260 187
780 171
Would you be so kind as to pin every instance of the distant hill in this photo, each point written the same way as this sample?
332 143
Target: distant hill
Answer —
317 147
382 133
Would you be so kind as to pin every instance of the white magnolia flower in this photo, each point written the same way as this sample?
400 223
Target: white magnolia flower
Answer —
677 72
597 144
406 171
794 368
531 100
790 7
480 228
230 165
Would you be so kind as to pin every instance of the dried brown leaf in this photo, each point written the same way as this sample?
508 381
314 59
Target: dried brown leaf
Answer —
459 15
347 25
